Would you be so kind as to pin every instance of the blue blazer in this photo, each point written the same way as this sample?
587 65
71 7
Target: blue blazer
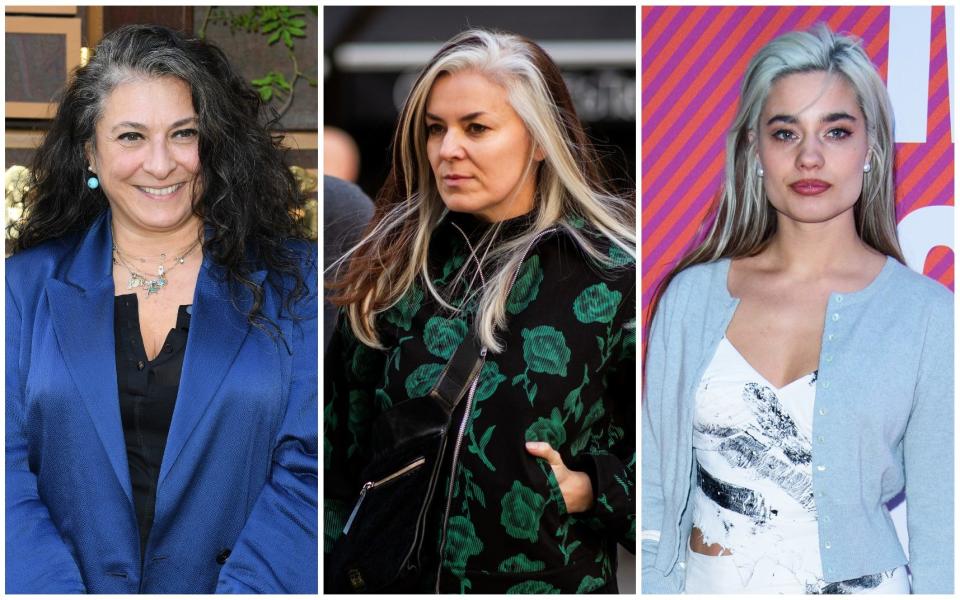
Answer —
236 506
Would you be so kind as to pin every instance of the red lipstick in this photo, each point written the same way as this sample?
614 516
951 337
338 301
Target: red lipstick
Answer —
809 187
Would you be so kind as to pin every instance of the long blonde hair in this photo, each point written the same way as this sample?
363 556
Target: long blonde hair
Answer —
570 191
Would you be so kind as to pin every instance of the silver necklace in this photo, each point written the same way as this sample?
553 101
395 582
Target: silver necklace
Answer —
156 284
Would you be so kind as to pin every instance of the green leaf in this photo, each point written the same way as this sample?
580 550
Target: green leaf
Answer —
518 379
282 82
269 27
273 38
296 32
266 93
596 412
298 23
478 494
287 40
570 402
580 443
485 438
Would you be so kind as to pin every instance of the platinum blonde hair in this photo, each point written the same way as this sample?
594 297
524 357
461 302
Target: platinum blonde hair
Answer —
745 221
568 193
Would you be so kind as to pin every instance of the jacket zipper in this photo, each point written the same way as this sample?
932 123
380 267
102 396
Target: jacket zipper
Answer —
466 415
372 484
456 454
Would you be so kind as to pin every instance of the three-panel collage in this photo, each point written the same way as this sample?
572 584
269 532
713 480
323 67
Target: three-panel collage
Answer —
522 264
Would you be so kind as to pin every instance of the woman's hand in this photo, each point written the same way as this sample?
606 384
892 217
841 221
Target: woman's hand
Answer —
574 485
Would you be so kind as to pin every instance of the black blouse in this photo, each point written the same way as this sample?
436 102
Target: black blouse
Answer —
148 393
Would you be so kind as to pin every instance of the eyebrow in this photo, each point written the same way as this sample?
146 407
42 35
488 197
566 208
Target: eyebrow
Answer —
142 127
468 117
828 118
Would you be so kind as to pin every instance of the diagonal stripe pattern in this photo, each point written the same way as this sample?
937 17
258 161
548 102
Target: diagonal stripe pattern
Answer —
693 61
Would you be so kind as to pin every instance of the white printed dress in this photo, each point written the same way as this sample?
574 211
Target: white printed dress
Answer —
754 492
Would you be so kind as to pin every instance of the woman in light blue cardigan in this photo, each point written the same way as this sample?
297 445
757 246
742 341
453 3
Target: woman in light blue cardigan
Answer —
800 281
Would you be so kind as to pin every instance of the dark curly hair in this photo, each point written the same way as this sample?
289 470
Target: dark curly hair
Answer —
248 196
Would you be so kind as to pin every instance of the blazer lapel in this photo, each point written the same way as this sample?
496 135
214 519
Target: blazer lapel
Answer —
217 331
81 309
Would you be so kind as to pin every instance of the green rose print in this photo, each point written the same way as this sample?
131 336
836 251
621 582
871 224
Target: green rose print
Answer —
548 430
402 312
333 522
521 509
358 416
462 543
533 587
362 362
450 267
588 584
527 286
619 258
521 564
383 400
490 378
329 425
421 381
544 351
597 304
442 336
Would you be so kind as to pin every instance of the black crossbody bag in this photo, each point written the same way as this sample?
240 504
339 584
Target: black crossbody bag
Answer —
382 547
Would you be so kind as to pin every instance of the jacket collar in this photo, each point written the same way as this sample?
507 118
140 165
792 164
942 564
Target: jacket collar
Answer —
82 312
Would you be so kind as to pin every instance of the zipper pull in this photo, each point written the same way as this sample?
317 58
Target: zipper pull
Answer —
356 507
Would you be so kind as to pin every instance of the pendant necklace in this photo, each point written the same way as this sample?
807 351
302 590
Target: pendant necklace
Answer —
154 285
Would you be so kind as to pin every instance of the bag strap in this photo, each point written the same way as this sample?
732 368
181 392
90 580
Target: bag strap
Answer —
461 370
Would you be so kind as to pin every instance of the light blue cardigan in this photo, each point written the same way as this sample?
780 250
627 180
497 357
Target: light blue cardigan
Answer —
883 418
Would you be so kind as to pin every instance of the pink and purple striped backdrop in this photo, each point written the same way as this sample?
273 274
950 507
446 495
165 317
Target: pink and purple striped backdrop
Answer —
693 61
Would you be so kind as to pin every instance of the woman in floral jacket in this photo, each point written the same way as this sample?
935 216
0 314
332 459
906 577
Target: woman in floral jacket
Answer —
496 226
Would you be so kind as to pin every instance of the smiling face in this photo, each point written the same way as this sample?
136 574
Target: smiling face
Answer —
812 145
146 154
479 149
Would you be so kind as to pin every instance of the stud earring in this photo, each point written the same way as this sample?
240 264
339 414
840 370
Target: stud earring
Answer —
759 171
92 182
866 168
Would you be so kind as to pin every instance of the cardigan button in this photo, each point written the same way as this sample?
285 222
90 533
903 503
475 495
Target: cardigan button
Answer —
821 468
223 556
823 412
826 385
830 337
827 545
828 358
836 316
140 365
839 298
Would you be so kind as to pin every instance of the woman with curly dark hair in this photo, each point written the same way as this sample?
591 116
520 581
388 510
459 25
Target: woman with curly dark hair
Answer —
161 338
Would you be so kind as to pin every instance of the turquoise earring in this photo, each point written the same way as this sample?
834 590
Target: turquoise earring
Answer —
92 182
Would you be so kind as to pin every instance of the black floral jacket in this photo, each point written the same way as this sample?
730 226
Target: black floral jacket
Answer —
566 377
